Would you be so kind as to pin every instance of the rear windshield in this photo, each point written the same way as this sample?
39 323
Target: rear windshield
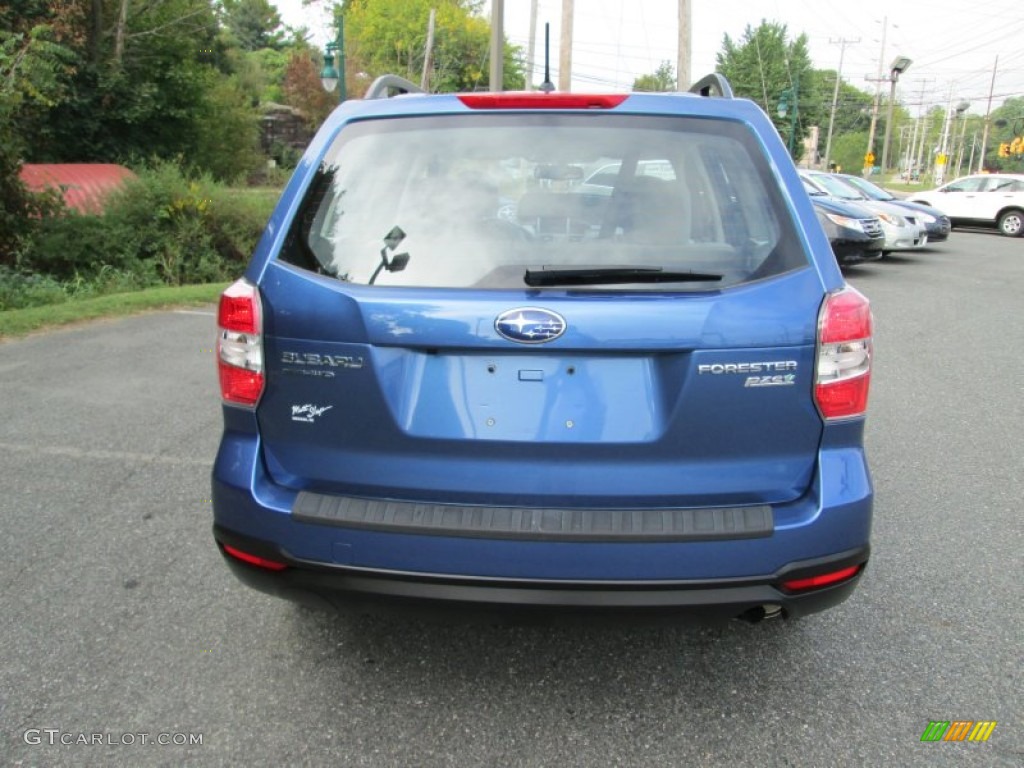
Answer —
507 201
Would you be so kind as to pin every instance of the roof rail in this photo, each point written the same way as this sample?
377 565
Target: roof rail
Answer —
381 87
714 84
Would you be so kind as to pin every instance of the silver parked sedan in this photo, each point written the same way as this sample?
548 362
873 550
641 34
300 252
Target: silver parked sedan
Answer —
903 229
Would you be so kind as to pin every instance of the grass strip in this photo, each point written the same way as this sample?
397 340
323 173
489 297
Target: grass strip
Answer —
18 322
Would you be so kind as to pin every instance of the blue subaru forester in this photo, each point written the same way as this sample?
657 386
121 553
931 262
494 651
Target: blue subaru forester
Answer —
546 352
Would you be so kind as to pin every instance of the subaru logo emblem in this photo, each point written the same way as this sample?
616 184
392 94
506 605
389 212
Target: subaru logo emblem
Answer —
530 325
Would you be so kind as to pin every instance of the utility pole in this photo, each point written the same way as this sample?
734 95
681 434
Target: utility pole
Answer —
497 45
941 159
565 48
428 55
988 114
842 43
970 162
898 67
963 140
913 137
870 151
900 154
683 75
531 50
913 148
920 146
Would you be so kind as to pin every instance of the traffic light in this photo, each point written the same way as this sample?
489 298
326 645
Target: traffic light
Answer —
1004 149
1017 146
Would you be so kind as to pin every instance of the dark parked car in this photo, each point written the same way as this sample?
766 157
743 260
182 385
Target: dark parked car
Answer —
902 230
855 233
936 223
450 380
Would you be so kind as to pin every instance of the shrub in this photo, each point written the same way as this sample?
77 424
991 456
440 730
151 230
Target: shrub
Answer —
20 209
19 290
189 229
161 227
71 244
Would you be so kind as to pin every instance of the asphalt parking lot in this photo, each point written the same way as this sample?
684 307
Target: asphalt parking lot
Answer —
120 622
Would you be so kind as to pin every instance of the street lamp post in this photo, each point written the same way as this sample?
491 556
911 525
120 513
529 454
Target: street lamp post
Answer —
788 96
899 65
331 78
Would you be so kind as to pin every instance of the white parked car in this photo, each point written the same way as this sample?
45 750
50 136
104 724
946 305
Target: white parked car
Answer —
982 200
904 230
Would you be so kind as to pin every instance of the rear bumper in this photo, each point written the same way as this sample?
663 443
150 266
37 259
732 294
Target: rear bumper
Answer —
716 572
374 590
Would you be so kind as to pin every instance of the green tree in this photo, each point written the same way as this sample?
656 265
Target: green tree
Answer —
254 24
663 79
763 64
853 106
389 36
1006 124
848 151
227 131
261 73
33 64
144 86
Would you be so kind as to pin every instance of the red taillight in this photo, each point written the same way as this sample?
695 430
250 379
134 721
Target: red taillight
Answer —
259 562
823 580
844 355
239 310
240 344
541 100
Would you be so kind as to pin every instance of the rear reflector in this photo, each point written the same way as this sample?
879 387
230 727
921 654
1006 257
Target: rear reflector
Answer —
240 386
844 355
541 100
796 585
240 344
259 562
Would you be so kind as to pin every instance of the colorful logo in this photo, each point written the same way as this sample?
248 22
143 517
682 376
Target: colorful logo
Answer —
958 730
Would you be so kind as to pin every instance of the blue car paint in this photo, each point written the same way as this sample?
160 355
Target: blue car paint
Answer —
821 498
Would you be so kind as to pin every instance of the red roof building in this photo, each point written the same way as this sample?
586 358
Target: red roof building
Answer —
85 185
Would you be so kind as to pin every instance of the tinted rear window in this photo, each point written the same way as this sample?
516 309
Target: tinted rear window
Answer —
480 199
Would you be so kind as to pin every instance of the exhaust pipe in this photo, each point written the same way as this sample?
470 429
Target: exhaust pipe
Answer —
762 613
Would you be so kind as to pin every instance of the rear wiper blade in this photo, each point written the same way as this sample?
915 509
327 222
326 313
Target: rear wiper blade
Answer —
611 275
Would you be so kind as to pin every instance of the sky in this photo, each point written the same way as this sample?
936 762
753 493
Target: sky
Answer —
952 44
